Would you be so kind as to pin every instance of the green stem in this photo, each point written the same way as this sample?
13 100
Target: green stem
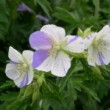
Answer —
97 6
76 55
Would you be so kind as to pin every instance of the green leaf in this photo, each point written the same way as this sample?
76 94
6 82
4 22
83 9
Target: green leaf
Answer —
90 92
6 85
96 2
26 92
87 32
4 20
45 5
35 94
80 32
65 15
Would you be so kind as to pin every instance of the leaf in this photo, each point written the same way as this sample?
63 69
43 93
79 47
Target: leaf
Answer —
87 32
90 92
35 94
97 5
28 91
65 15
80 32
4 20
6 85
45 5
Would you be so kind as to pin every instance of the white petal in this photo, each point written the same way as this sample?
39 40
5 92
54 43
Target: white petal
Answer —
47 64
11 71
14 55
102 33
89 40
98 58
56 33
75 44
30 75
24 79
61 65
106 38
106 57
91 56
19 80
105 29
28 55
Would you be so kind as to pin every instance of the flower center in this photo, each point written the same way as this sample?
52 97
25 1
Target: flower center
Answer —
22 68
57 47
100 44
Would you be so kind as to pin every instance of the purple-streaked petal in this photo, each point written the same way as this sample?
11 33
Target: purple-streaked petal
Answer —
25 78
88 40
97 58
24 7
47 64
73 39
89 37
13 62
39 40
101 57
74 44
24 81
39 57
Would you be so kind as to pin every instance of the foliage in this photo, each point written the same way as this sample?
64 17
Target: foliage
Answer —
84 87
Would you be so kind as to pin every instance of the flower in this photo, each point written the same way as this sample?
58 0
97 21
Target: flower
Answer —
23 7
19 68
98 45
50 44
42 18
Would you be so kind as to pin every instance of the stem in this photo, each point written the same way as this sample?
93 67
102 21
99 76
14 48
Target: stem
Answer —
76 55
97 6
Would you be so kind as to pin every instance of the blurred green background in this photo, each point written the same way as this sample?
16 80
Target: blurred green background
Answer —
86 91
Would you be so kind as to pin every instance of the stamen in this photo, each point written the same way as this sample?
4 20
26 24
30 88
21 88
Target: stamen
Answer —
56 47
22 68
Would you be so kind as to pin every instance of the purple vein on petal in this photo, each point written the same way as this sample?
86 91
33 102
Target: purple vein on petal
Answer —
89 37
101 57
13 62
39 57
24 81
73 39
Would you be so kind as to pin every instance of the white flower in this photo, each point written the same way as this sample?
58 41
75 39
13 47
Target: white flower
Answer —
98 45
50 44
19 68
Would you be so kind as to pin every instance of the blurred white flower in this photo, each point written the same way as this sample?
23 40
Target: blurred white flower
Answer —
19 68
98 45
